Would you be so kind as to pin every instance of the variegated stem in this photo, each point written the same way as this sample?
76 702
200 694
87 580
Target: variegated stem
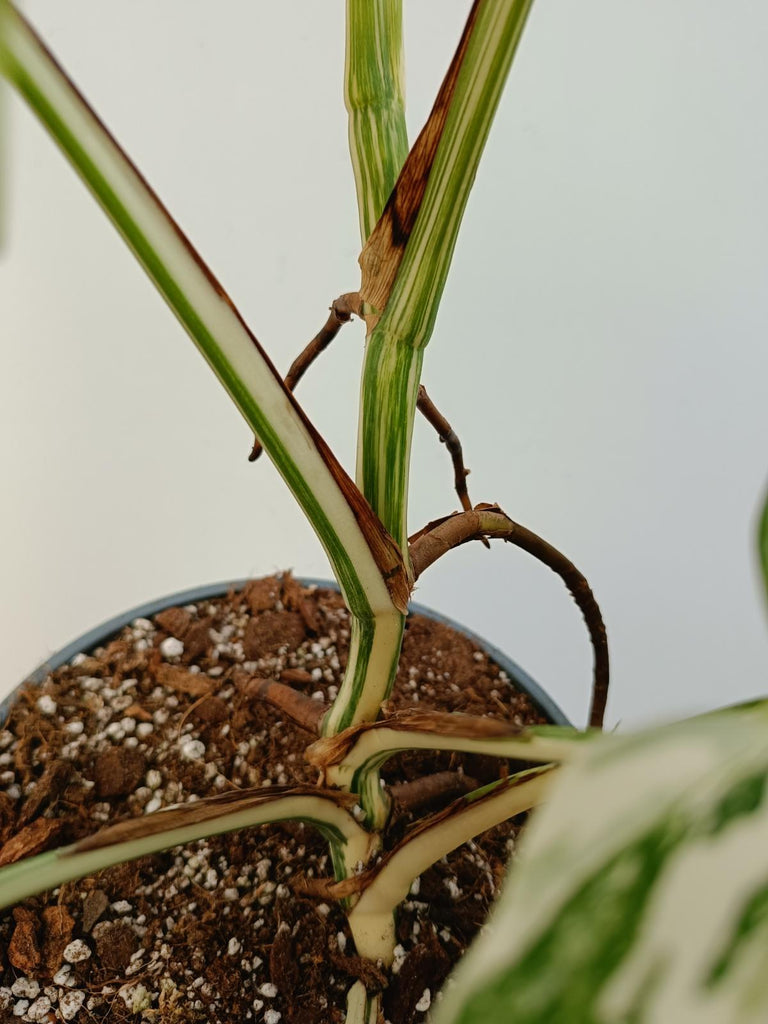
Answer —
353 761
128 840
372 917
405 286
374 95
374 649
365 560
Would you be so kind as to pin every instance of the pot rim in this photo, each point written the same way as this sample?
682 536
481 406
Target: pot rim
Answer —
106 630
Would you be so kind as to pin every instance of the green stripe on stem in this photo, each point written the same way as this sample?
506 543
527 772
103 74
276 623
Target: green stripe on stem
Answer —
374 97
373 93
391 378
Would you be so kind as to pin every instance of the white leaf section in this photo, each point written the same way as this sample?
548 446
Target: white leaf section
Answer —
641 890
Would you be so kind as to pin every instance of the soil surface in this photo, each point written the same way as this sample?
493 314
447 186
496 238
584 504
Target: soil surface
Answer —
219 931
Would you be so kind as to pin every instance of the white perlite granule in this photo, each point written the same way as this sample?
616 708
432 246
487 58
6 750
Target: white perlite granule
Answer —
26 987
193 750
272 1017
171 647
46 705
425 1002
70 1004
399 960
76 952
63 977
268 989
40 1009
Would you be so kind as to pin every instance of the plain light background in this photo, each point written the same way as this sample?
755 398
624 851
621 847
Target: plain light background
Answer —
600 349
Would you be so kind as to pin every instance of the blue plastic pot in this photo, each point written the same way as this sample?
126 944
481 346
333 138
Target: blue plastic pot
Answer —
107 630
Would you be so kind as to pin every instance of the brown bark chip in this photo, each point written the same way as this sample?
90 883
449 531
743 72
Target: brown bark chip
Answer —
262 595
58 925
118 772
51 785
211 711
216 931
32 839
96 902
175 621
24 947
196 640
270 631
296 599
116 942
196 684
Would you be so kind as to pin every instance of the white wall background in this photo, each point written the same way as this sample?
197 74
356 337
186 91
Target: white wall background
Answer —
601 348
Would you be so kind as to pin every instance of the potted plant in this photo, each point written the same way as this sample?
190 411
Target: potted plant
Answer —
410 206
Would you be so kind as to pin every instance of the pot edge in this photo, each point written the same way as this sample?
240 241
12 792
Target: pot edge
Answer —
106 630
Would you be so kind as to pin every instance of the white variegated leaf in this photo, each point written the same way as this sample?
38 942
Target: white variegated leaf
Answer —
641 890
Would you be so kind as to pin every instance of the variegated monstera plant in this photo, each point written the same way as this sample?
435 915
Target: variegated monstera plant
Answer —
641 891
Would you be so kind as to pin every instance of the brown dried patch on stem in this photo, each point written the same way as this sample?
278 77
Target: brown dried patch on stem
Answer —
207 809
489 521
341 312
383 252
331 750
304 711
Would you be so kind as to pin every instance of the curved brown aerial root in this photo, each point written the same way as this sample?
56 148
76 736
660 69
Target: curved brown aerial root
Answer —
488 521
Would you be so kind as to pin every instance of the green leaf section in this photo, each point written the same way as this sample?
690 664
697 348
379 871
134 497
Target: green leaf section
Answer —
349 842
374 95
603 918
640 892
752 924
392 366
